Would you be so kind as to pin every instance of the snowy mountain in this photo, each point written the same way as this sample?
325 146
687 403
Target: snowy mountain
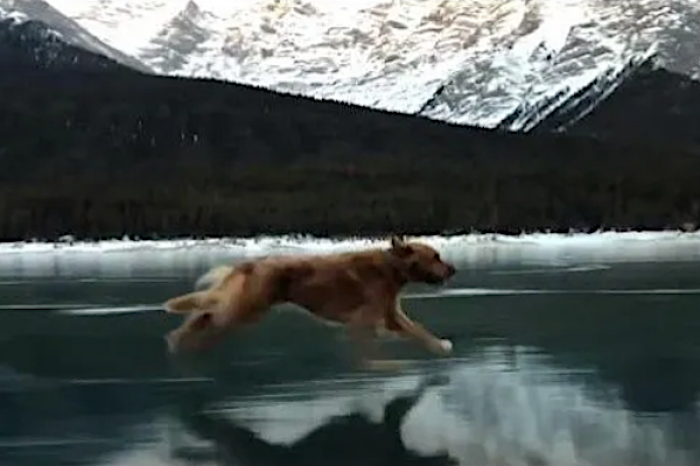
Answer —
37 22
507 63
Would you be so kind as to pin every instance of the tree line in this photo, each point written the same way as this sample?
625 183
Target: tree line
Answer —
103 154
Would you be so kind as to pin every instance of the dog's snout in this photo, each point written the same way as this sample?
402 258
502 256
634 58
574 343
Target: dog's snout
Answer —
451 270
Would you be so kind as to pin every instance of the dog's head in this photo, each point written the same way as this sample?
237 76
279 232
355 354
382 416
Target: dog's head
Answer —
420 262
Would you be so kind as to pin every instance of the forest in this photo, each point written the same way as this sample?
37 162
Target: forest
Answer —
101 152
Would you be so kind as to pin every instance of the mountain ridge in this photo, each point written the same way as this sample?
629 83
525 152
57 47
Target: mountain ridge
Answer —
560 118
494 58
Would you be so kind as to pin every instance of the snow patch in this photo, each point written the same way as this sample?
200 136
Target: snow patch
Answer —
464 250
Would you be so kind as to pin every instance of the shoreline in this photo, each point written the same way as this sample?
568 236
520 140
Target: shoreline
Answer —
311 243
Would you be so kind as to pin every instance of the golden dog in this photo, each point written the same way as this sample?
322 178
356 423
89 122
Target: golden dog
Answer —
357 289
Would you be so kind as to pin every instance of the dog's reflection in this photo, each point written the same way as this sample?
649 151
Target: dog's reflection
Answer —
348 439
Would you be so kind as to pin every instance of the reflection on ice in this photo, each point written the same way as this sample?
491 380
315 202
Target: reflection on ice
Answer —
349 437
127 257
504 408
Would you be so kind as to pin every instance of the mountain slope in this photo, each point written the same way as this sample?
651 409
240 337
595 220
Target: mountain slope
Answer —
60 26
653 104
561 111
28 46
489 59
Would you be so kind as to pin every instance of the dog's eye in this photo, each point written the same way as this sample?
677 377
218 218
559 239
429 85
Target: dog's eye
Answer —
436 256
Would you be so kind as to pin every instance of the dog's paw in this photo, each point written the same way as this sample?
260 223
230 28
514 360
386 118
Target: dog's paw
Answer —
445 346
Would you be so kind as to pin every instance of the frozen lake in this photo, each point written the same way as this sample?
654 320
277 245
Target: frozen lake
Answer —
569 350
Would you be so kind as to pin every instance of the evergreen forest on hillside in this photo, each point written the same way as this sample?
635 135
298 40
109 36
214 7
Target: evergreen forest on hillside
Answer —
104 153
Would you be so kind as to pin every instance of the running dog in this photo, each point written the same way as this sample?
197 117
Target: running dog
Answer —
359 290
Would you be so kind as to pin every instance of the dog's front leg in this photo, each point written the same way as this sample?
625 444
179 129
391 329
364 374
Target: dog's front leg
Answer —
364 344
399 321
363 330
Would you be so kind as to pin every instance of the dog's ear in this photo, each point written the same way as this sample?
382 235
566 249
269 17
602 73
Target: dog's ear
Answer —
399 246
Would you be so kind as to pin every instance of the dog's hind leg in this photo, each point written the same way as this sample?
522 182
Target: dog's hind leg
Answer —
204 328
198 331
198 300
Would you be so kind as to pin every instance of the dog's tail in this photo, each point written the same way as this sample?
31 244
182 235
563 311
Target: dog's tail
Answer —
204 296
213 277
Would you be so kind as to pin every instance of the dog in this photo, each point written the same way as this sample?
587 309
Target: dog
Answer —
359 290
